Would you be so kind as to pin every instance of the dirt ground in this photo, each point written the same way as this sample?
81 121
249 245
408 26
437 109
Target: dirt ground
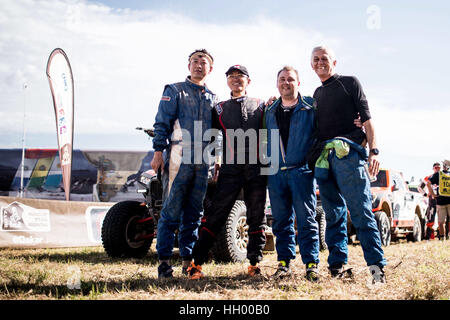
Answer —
415 271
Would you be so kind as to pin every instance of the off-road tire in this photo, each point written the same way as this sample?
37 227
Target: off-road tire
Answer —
118 230
384 227
416 234
231 243
320 218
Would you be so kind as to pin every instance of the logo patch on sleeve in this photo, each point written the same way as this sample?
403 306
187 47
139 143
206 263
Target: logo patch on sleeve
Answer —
165 98
219 108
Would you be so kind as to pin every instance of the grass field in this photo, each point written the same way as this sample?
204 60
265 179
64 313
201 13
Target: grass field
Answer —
416 271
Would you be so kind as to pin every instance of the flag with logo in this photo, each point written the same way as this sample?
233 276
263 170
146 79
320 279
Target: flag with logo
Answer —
60 78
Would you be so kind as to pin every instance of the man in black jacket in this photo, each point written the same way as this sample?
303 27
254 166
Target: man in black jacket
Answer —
239 119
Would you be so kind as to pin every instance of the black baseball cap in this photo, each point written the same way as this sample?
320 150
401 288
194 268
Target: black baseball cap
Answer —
237 67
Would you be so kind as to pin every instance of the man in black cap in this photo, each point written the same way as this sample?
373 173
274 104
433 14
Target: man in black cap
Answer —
239 120
431 210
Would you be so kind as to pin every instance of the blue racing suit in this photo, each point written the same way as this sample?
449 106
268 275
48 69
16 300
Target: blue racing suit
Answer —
184 114
344 184
291 188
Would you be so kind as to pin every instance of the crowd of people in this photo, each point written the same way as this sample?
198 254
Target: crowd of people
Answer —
328 138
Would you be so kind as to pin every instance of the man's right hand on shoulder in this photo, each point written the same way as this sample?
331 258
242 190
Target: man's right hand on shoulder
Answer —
157 161
271 100
216 171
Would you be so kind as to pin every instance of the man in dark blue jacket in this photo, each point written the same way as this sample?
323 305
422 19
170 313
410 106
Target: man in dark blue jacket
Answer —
291 188
184 115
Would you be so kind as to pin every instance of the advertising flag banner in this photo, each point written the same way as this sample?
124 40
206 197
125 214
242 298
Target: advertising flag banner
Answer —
60 78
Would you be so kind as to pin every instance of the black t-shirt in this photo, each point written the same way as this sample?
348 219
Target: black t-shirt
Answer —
283 116
339 101
434 179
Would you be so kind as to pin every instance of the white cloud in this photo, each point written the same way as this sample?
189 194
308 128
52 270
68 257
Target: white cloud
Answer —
122 58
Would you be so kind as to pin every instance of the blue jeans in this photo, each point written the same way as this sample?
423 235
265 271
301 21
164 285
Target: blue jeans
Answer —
292 192
348 186
182 210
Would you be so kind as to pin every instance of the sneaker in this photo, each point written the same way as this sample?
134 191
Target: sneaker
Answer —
283 271
165 271
312 273
340 272
254 271
377 273
194 272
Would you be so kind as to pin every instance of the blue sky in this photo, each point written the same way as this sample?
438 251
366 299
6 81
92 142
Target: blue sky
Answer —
123 52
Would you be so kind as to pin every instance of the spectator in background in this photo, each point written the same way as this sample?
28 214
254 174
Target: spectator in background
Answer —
431 210
442 196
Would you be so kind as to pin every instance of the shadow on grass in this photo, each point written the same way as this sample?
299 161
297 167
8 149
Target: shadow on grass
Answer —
93 289
91 256
84 256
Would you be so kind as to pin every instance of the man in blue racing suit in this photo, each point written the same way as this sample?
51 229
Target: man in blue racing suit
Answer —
291 188
184 115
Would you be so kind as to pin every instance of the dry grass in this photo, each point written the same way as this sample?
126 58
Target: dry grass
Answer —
417 271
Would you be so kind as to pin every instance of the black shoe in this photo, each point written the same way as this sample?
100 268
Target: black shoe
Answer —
377 273
283 271
184 270
165 271
312 273
339 272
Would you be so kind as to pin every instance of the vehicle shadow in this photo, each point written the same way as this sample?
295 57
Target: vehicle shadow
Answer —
92 289
83 256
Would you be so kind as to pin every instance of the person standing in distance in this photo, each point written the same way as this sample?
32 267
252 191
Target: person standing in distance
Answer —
431 209
442 196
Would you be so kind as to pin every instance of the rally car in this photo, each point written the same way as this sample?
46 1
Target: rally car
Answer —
398 211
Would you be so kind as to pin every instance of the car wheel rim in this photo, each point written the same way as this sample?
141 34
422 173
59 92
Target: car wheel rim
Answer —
131 233
242 234
416 230
385 231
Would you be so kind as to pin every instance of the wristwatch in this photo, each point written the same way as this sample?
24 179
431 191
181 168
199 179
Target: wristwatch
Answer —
375 151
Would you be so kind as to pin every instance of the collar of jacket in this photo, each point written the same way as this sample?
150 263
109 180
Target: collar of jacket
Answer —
238 99
302 105
330 80
192 84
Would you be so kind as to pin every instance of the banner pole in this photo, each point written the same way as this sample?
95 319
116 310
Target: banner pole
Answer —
60 77
24 87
